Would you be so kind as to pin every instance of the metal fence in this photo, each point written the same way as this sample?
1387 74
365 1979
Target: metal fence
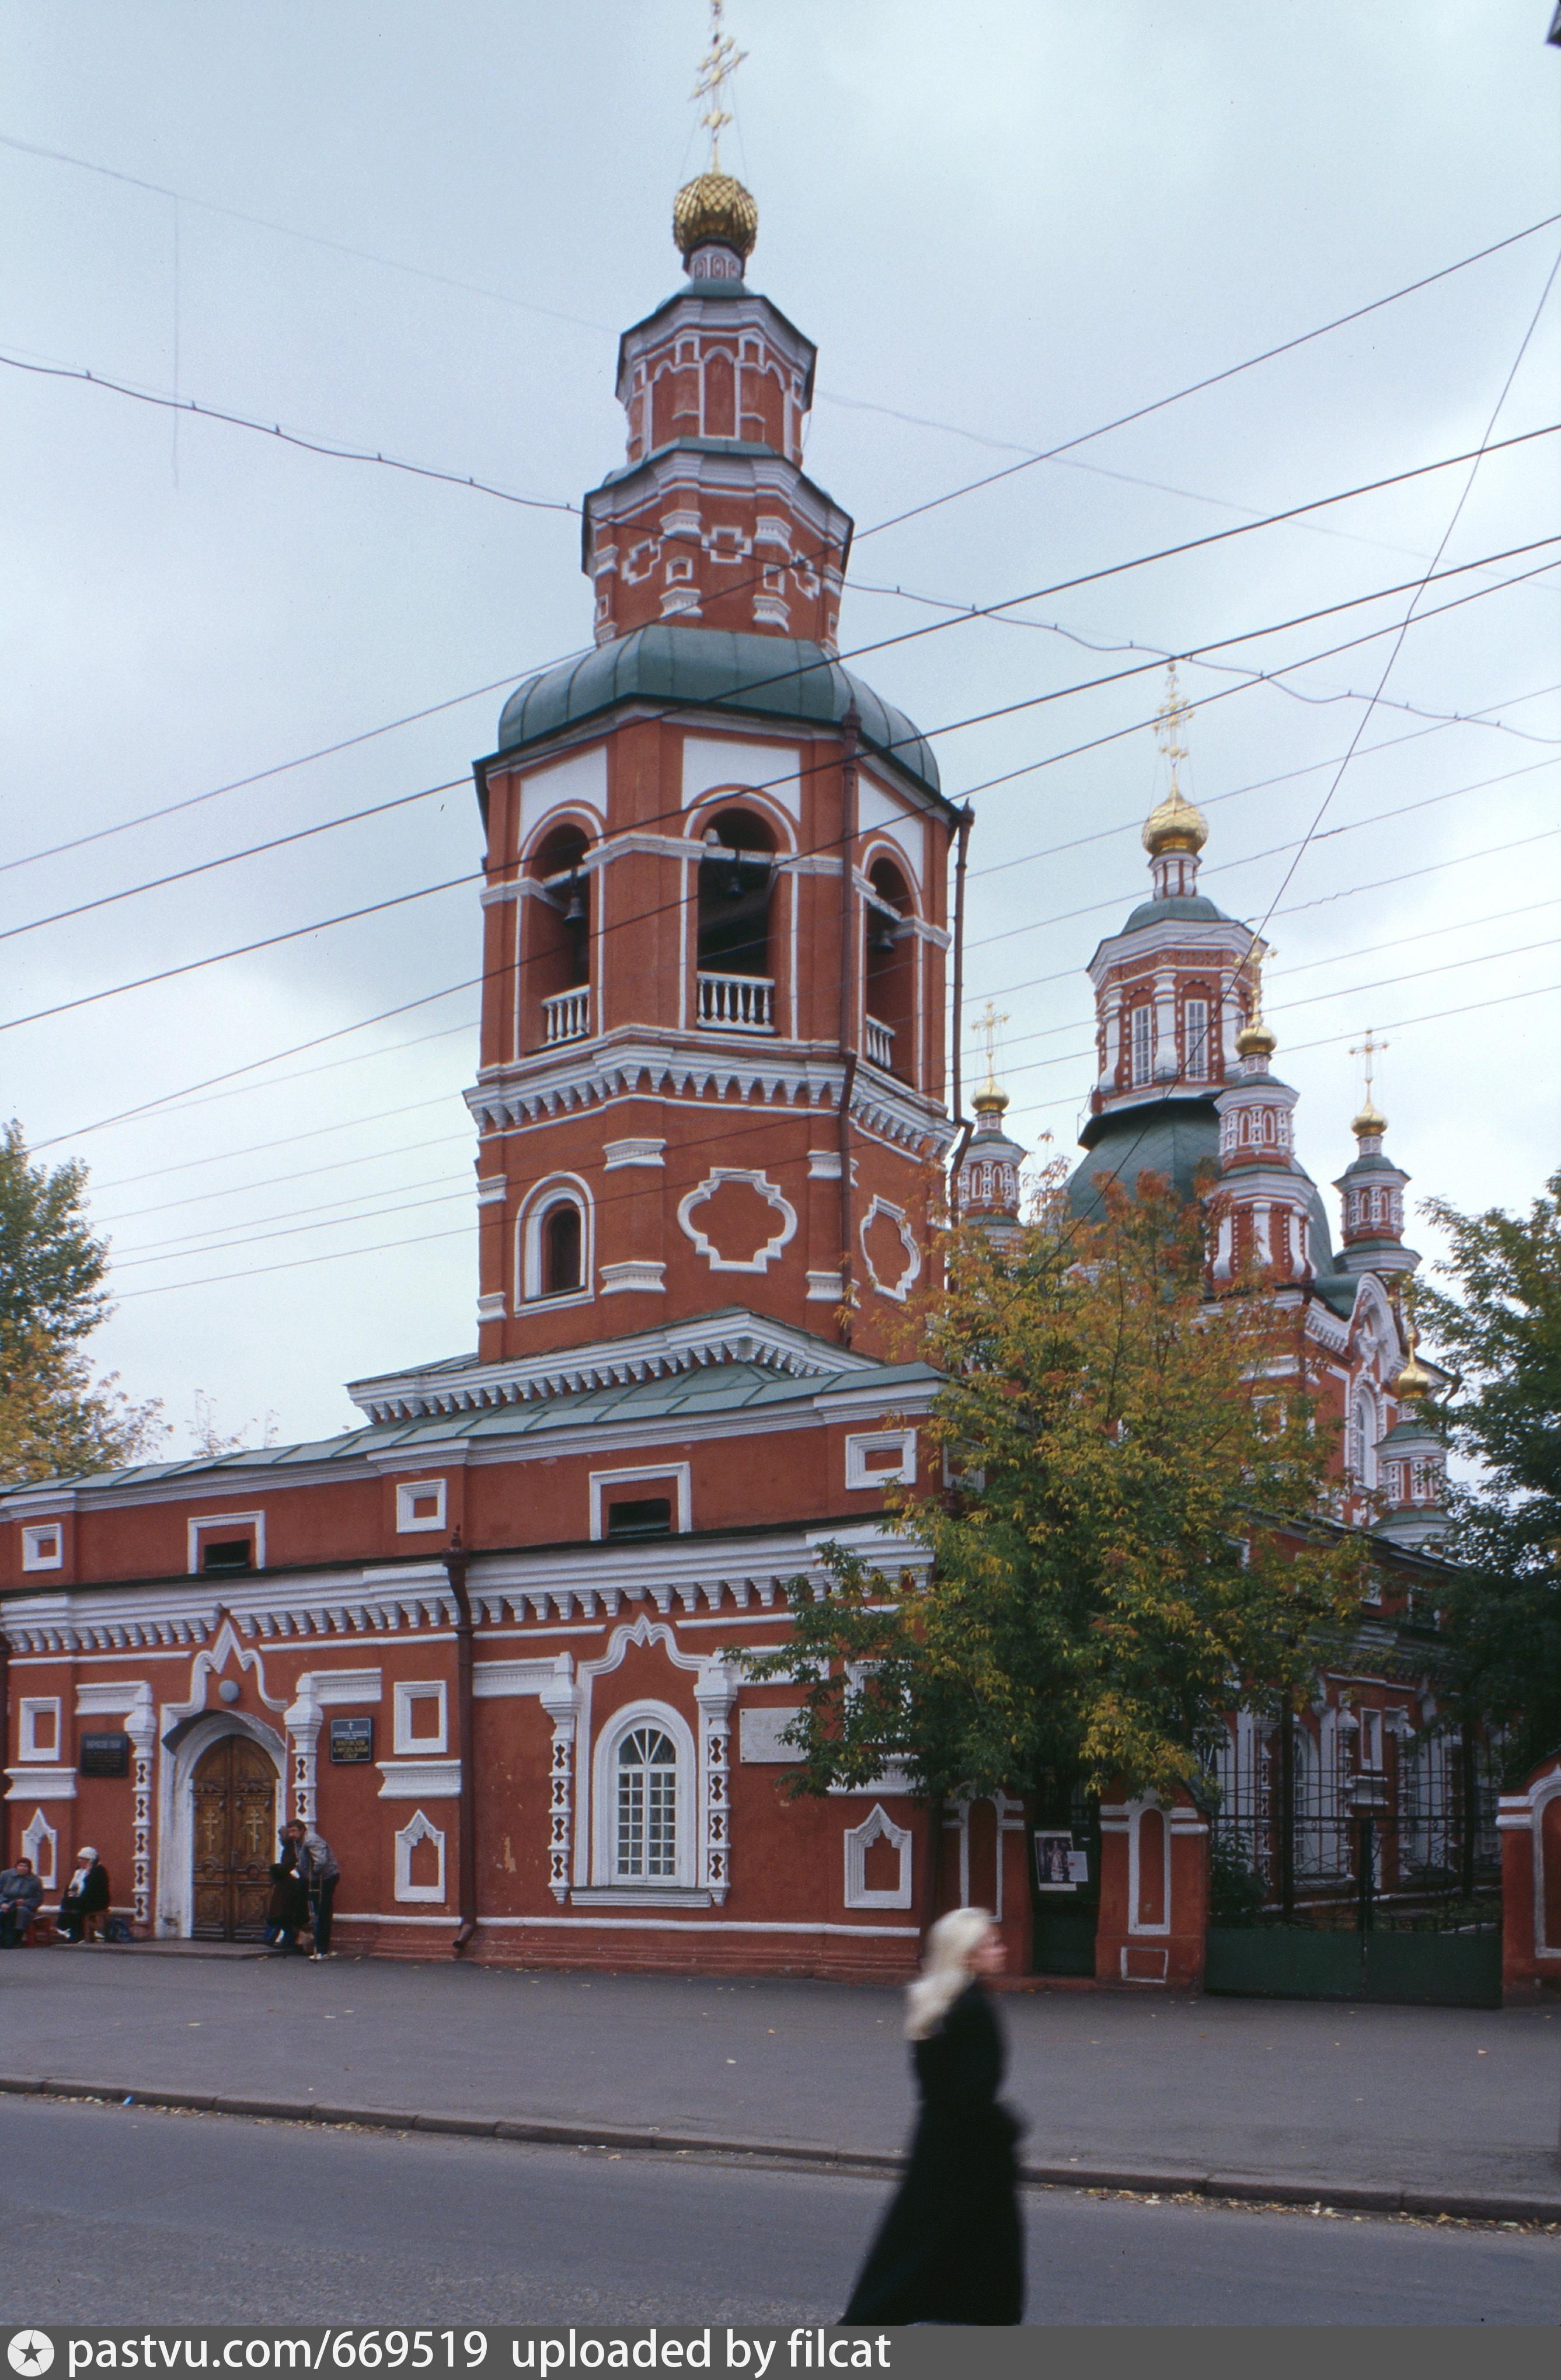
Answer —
1347 1811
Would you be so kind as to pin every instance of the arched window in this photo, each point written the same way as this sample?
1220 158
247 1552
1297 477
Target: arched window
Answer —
562 1248
1142 1044
1196 1028
554 1252
736 878
556 1004
891 972
646 1833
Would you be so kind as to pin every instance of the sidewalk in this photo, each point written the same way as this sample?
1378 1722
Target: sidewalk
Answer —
1447 2109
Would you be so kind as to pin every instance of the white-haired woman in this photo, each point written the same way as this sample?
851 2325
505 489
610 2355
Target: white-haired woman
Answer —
950 2249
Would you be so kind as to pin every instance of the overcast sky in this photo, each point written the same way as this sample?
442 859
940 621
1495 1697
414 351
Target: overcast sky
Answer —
418 230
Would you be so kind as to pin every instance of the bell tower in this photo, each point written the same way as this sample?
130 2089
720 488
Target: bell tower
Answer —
712 1059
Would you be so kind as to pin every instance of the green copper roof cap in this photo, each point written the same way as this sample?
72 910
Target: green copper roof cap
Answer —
1189 908
713 669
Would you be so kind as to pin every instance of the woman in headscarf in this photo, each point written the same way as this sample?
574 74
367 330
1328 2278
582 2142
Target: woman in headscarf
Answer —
949 2248
85 1897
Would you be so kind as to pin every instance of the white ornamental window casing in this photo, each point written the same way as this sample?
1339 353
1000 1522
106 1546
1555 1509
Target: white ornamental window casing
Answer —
1142 1044
646 1827
1196 1032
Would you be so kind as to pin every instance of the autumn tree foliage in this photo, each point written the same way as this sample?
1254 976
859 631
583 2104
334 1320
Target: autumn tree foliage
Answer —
1123 1493
56 1419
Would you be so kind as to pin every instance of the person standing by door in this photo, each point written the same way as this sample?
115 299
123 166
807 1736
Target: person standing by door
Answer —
949 2249
319 1876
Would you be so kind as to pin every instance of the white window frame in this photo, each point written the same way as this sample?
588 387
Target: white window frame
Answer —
604 1829
859 1446
858 1839
553 1192
1371 1743
419 1828
208 1523
678 1472
1141 1043
33 1708
39 1843
33 1538
1196 1035
407 1520
1137 1812
404 1691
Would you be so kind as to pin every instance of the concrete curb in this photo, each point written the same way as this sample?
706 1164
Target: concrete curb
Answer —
1272 2189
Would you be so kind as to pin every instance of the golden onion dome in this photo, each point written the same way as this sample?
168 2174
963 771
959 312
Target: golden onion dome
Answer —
990 1101
1370 1123
1256 1041
715 207
1175 825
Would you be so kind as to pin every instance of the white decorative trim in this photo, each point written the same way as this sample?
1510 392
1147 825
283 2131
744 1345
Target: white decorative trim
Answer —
826 1287
408 1493
204 1522
39 1843
419 1828
43 1544
899 1289
634 1272
902 1443
858 1839
720 1688
668 1896
404 1691
332 1688
493 1306
33 1708
658 1353
34 1784
678 1472
762 1258
617 1154
417 1781
823 1165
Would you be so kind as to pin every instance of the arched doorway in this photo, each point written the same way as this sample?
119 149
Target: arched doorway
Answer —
234 1841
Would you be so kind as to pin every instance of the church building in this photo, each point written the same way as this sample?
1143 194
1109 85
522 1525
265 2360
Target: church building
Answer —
490 1643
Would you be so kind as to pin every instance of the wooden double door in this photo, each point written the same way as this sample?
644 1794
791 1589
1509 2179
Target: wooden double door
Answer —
235 1841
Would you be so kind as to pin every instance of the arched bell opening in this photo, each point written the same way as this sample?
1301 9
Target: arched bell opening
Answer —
737 979
890 972
556 997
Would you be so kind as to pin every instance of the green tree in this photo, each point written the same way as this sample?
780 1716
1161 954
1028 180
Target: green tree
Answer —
57 1420
1136 1540
1499 1327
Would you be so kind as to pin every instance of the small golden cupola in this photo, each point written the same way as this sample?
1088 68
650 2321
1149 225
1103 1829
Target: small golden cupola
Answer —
715 220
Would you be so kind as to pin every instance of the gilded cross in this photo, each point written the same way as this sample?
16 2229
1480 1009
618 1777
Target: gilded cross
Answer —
1370 1048
717 67
1173 716
987 1024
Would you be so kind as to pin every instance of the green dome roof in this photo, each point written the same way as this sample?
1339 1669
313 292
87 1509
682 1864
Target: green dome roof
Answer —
1191 906
712 669
1179 1139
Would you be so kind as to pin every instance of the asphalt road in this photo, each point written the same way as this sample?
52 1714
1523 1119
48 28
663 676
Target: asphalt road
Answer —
143 2215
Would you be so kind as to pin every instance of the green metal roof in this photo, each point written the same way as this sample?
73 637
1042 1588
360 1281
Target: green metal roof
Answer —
714 669
1179 1139
706 1390
1189 906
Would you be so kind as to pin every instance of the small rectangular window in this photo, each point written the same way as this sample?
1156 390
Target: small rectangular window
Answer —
43 1546
641 1516
1197 1030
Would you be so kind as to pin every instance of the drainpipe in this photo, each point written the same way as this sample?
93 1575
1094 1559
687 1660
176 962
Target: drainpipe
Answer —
455 1572
852 724
967 819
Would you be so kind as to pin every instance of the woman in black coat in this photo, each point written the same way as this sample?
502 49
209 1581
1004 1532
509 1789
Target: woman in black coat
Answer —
950 2249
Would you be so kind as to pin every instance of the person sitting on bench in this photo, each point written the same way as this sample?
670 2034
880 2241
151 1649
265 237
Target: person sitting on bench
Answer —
21 1892
87 1898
